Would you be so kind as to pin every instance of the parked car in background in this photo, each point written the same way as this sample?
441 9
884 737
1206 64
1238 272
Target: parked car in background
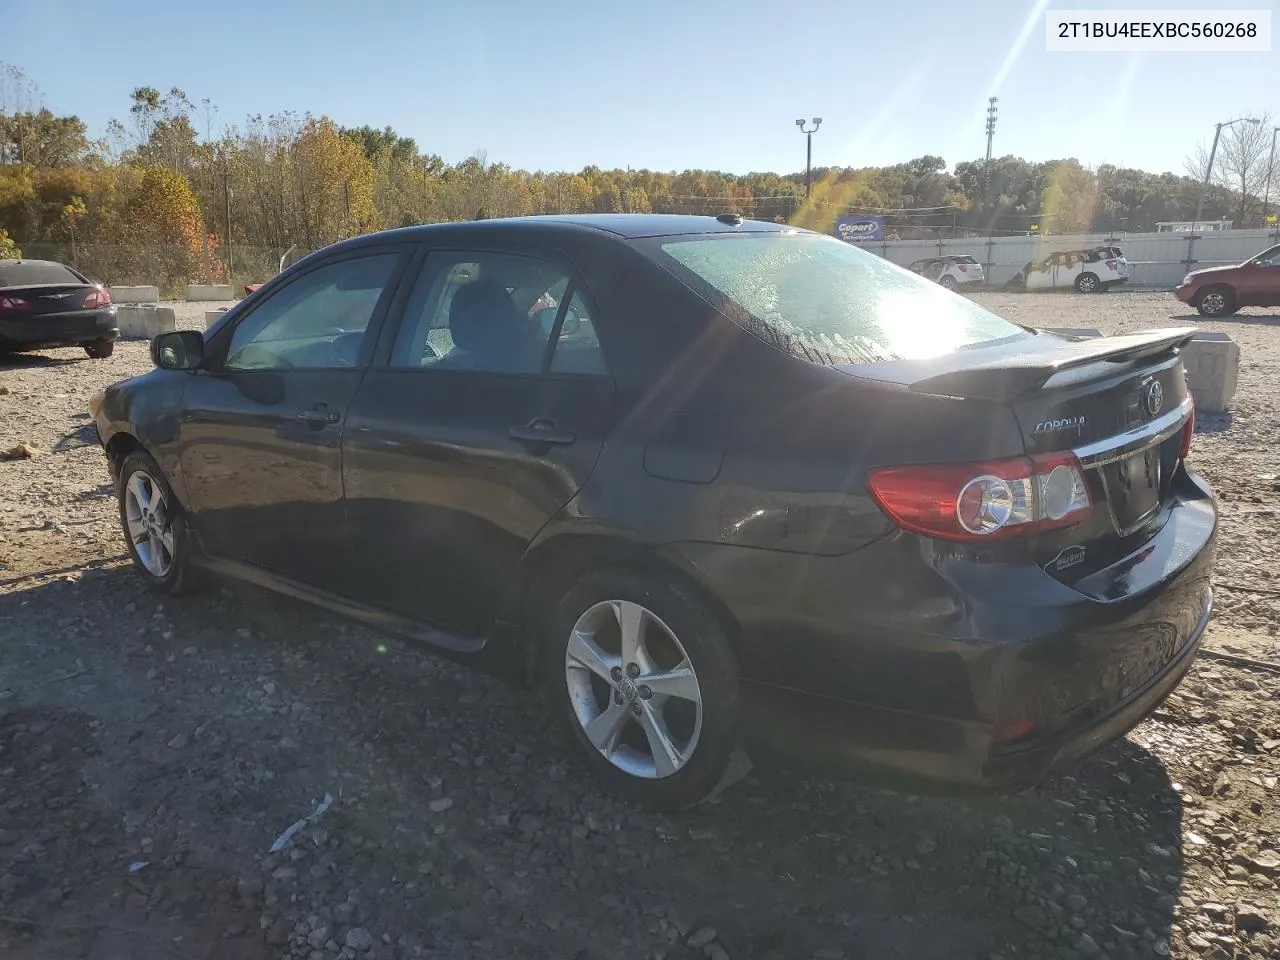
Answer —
1088 271
1221 291
45 304
650 498
950 271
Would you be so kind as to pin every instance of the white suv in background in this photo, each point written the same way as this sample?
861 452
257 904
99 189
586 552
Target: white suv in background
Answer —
949 271
1088 271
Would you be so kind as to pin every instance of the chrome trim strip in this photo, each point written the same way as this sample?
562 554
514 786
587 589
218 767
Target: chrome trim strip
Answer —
1101 452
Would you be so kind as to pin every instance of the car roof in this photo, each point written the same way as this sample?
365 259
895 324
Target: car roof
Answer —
38 263
629 226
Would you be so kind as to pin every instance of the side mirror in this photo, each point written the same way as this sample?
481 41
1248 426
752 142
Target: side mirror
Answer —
180 350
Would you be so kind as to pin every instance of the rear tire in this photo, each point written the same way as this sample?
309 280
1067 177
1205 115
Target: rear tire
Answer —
100 349
1217 302
654 717
948 282
1088 283
154 526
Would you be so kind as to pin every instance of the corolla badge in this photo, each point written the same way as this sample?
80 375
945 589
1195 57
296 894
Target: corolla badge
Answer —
1056 426
1153 398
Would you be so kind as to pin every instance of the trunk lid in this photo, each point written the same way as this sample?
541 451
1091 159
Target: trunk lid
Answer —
1118 403
49 298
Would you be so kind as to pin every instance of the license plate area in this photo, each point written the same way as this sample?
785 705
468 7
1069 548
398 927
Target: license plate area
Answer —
1133 488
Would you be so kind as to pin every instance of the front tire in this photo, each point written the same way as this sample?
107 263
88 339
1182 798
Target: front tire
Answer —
641 676
100 349
1217 302
154 525
1088 283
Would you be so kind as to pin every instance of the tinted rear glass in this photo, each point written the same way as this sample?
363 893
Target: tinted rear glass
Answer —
963 260
26 273
825 300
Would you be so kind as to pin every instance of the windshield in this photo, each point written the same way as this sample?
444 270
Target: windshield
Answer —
825 300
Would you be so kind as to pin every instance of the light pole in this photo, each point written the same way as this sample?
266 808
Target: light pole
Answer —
1266 191
1213 152
808 161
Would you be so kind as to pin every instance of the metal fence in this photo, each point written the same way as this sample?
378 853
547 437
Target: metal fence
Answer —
1158 259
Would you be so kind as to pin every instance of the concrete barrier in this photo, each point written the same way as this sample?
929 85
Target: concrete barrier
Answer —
213 316
209 291
1212 361
144 320
134 294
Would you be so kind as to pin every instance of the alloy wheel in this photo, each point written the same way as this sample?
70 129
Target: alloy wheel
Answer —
150 527
633 689
1213 303
1087 284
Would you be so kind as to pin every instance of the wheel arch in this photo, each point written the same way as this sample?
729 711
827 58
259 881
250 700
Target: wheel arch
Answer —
550 568
1218 286
122 443
118 447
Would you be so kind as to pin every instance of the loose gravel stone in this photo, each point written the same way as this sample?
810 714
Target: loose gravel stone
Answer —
267 706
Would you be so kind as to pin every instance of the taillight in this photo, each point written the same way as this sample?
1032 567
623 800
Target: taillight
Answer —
975 501
962 268
13 303
1111 264
1188 428
97 297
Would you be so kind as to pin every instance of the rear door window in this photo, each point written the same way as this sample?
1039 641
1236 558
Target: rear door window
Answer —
489 312
826 301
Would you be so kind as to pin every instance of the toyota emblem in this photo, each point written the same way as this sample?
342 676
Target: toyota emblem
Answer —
1154 398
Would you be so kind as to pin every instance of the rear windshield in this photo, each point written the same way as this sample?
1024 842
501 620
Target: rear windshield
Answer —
825 300
28 273
963 260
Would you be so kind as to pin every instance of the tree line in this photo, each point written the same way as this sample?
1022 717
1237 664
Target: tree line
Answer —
170 195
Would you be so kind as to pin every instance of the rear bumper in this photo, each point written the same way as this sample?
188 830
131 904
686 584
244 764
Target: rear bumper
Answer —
968 674
58 330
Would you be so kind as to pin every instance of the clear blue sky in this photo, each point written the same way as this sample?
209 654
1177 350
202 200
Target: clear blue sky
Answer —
718 84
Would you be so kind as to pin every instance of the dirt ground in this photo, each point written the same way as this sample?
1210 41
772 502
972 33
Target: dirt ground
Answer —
151 752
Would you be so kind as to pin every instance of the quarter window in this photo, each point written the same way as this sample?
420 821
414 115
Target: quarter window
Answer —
578 349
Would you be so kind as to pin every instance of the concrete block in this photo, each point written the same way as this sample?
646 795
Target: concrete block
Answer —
213 316
134 294
209 291
144 320
1212 362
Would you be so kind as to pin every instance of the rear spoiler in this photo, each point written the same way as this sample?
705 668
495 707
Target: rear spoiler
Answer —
1007 377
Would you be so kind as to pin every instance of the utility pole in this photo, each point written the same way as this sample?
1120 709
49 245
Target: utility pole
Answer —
1266 191
808 162
1213 152
226 203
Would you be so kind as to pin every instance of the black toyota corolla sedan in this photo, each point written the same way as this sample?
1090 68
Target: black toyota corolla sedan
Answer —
45 304
709 483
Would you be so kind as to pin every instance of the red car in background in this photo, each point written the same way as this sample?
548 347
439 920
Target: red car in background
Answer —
1221 291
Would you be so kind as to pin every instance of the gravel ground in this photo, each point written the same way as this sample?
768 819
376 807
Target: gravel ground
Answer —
151 752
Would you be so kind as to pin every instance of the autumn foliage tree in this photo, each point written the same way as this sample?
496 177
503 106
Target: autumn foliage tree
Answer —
171 195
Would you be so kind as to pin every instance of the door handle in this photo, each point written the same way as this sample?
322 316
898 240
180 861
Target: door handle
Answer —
542 430
319 415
